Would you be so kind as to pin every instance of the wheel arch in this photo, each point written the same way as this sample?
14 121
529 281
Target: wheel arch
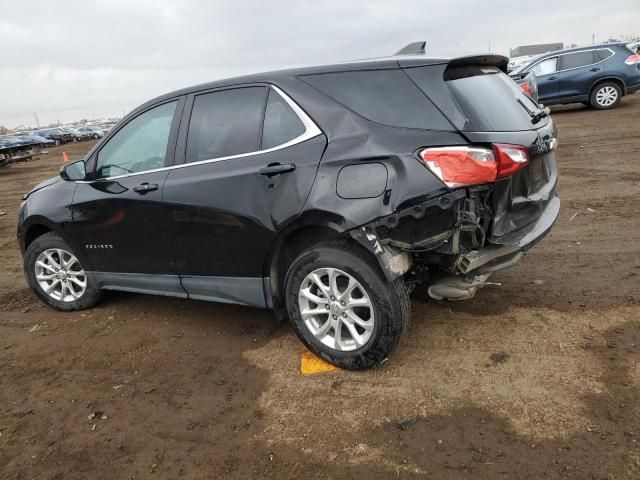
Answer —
33 232
613 79
33 227
290 243
36 226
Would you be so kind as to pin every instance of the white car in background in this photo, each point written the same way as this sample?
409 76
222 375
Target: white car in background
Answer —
517 62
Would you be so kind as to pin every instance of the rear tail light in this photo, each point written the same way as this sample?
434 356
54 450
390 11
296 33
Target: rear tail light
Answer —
510 158
633 60
464 166
526 88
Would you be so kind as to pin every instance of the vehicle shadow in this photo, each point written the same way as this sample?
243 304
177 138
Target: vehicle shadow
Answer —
580 108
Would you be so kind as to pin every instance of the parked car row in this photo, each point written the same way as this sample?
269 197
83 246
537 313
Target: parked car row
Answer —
20 149
21 146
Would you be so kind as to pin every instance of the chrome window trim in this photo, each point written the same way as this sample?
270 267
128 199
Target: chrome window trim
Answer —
311 131
569 53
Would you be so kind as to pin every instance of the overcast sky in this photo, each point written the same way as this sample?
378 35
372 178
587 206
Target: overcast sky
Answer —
67 60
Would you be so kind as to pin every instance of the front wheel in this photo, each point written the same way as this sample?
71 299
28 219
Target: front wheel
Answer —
56 276
342 307
605 96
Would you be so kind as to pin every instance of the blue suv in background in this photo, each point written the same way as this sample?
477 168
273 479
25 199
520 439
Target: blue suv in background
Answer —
598 75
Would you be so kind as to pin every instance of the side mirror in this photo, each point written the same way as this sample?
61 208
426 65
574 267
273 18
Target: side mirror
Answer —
73 171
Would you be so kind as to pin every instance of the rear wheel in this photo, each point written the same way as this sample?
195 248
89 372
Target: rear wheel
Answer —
605 96
342 307
56 276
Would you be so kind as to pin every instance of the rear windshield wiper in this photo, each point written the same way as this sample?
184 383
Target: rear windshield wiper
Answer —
540 114
537 115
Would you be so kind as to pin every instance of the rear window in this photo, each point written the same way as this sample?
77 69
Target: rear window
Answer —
490 99
388 97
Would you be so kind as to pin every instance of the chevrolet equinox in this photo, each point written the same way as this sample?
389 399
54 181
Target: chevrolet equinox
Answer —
325 193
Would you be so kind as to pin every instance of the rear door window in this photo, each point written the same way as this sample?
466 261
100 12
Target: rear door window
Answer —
281 124
387 97
225 123
578 59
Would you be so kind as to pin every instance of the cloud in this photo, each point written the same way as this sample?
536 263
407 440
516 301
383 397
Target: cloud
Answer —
69 59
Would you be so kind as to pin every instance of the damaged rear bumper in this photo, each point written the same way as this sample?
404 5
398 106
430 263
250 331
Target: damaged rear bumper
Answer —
450 232
507 250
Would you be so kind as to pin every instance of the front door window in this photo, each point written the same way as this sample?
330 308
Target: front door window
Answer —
139 146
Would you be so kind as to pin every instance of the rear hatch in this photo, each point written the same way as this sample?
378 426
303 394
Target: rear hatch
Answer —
488 107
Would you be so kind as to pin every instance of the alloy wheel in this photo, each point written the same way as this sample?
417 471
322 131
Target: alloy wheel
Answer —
336 309
60 275
606 96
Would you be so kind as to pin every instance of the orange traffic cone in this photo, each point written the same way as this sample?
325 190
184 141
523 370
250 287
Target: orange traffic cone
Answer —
65 159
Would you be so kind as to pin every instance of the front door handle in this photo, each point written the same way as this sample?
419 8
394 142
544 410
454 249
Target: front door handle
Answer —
145 188
274 169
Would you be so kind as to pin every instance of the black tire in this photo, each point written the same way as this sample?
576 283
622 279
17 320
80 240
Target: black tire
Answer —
391 303
50 240
603 87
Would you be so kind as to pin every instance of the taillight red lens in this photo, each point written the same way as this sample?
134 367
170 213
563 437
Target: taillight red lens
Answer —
526 88
459 166
632 60
510 158
465 166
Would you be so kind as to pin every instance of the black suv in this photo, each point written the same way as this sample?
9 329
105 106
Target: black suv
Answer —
324 193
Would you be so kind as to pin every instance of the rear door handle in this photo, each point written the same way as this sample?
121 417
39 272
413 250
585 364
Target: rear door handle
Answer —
276 169
595 69
145 188
552 78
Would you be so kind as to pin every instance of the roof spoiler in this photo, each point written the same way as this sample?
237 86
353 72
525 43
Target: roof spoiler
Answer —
415 48
498 61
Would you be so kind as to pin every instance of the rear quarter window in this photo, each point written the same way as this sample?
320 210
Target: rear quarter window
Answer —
387 97
281 124
604 53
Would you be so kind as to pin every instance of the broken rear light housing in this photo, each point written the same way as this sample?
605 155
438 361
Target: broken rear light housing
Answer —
464 166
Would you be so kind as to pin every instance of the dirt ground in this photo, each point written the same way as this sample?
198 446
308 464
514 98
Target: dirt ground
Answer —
536 379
